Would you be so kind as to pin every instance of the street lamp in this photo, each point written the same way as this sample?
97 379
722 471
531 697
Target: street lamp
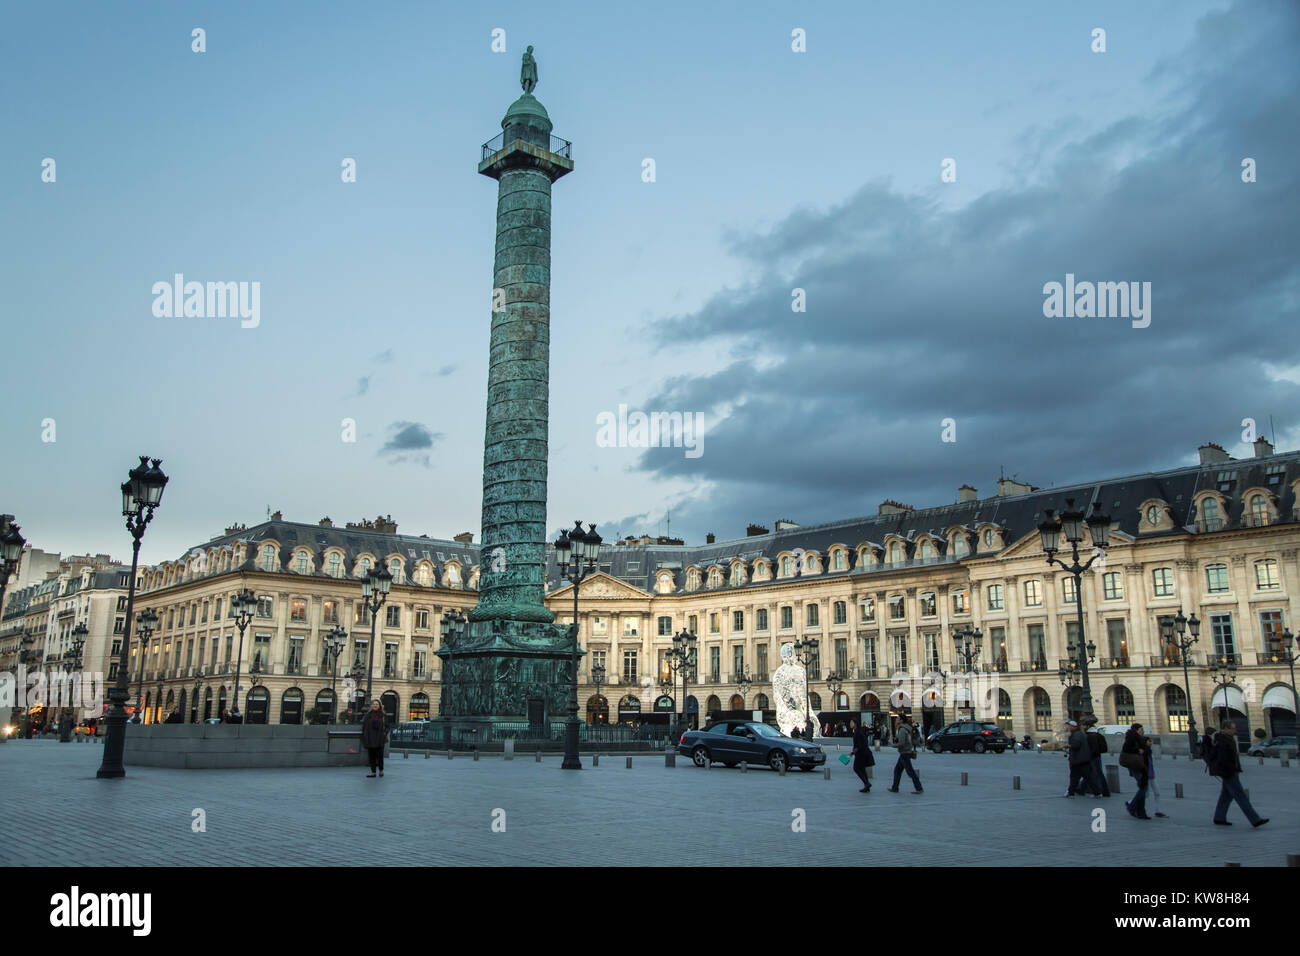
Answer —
141 494
744 682
598 678
144 626
1224 672
967 641
244 604
1174 631
805 652
72 662
198 685
1072 522
1279 649
374 591
681 658
577 553
334 642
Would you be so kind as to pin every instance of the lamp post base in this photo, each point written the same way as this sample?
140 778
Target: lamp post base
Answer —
571 759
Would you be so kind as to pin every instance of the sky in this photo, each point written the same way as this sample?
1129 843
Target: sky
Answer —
922 358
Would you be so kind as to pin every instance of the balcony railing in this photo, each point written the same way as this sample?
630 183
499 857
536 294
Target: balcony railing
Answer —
1263 657
561 147
1035 665
1113 663
1217 657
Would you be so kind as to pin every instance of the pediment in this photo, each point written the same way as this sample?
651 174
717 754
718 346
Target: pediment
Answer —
602 586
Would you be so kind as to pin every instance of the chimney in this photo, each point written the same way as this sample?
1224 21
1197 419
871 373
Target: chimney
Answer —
1263 447
755 529
1212 453
784 523
710 538
277 516
465 537
1009 486
967 493
891 507
325 522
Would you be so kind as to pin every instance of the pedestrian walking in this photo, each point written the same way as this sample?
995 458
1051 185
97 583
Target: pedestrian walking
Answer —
1096 747
1151 784
862 756
1080 760
906 751
1135 757
374 732
1225 763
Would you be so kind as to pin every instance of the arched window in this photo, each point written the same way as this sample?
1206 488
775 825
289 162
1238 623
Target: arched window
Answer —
760 702
268 558
895 554
1042 710
325 706
1259 511
1266 578
395 569
927 550
737 702
181 706
785 567
221 702
809 562
714 579
389 701
1210 517
712 705
291 706
300 562
335 565
363 567
839 560
258 703
597 710
420 706
814 700
207 704
1004 711
629 709
958 545
1125 709
1176 708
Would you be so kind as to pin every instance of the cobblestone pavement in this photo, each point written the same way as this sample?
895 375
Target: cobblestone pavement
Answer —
440 812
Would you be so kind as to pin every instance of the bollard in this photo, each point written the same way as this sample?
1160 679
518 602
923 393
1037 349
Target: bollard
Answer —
826 771
406 755
877 746
670 759
1261 761
1178 791
595 760
1112 777
449 753
476 754
1015 782
1293 859
783 770
629 763
1285 762
744 766
428 754
539 756
964 779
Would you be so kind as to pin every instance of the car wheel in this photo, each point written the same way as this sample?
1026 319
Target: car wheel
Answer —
701 756
979 746
777 760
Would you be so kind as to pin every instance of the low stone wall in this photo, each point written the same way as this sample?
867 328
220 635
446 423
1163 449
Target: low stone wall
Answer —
228 746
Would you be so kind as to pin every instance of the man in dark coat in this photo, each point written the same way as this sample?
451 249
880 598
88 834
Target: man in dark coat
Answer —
1225 763
1080 761
1096 747
862 756
374 732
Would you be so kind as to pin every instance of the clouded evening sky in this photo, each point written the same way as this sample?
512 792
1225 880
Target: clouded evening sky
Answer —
775 170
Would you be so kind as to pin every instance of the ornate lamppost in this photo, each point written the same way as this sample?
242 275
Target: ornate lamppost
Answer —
71 663
198 686
967 641
335 640
744 682
681 658
144 626
1174 631
577 553
1071 522
598 678
244 606
1279 649
11 551
374 592
1224 671
141 494
805 652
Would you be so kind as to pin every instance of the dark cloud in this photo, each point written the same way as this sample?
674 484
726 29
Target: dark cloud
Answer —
407 441
363 384
916 313
447 370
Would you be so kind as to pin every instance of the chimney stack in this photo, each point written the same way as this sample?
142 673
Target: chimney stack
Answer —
465 537
891 507
967 493
1212 453
755 529
1263 447
1009 486
709 538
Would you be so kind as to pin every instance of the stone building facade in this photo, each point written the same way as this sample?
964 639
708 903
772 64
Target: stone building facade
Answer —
882 594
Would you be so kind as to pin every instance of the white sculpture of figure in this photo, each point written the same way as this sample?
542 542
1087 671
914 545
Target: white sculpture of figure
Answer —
788 687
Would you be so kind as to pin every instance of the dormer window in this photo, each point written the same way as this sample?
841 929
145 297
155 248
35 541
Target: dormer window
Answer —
927 550
1258 511
268 558
895 553
300 562
958 545
785 567
1211 519
839 560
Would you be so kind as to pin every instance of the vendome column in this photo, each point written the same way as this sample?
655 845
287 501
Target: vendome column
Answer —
513 662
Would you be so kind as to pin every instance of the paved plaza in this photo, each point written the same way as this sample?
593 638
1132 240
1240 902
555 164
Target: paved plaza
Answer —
440 812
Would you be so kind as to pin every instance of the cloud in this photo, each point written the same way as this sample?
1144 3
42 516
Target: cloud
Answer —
917 312
383 357
363 384
447 370
407 441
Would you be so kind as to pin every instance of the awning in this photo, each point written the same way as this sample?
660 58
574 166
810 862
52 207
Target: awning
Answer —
1279 696
1236 701
931 698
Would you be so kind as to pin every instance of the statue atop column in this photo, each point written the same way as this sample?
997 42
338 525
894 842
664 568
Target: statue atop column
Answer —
528 72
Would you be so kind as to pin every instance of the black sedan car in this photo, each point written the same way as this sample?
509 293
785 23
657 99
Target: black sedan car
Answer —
731 741
969 735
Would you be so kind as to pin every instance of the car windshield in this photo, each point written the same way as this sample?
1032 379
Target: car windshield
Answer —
764 730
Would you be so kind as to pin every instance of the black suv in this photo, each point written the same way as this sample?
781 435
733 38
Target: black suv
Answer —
969 735
731 741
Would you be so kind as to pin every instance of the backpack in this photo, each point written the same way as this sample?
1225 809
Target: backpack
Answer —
1097 744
